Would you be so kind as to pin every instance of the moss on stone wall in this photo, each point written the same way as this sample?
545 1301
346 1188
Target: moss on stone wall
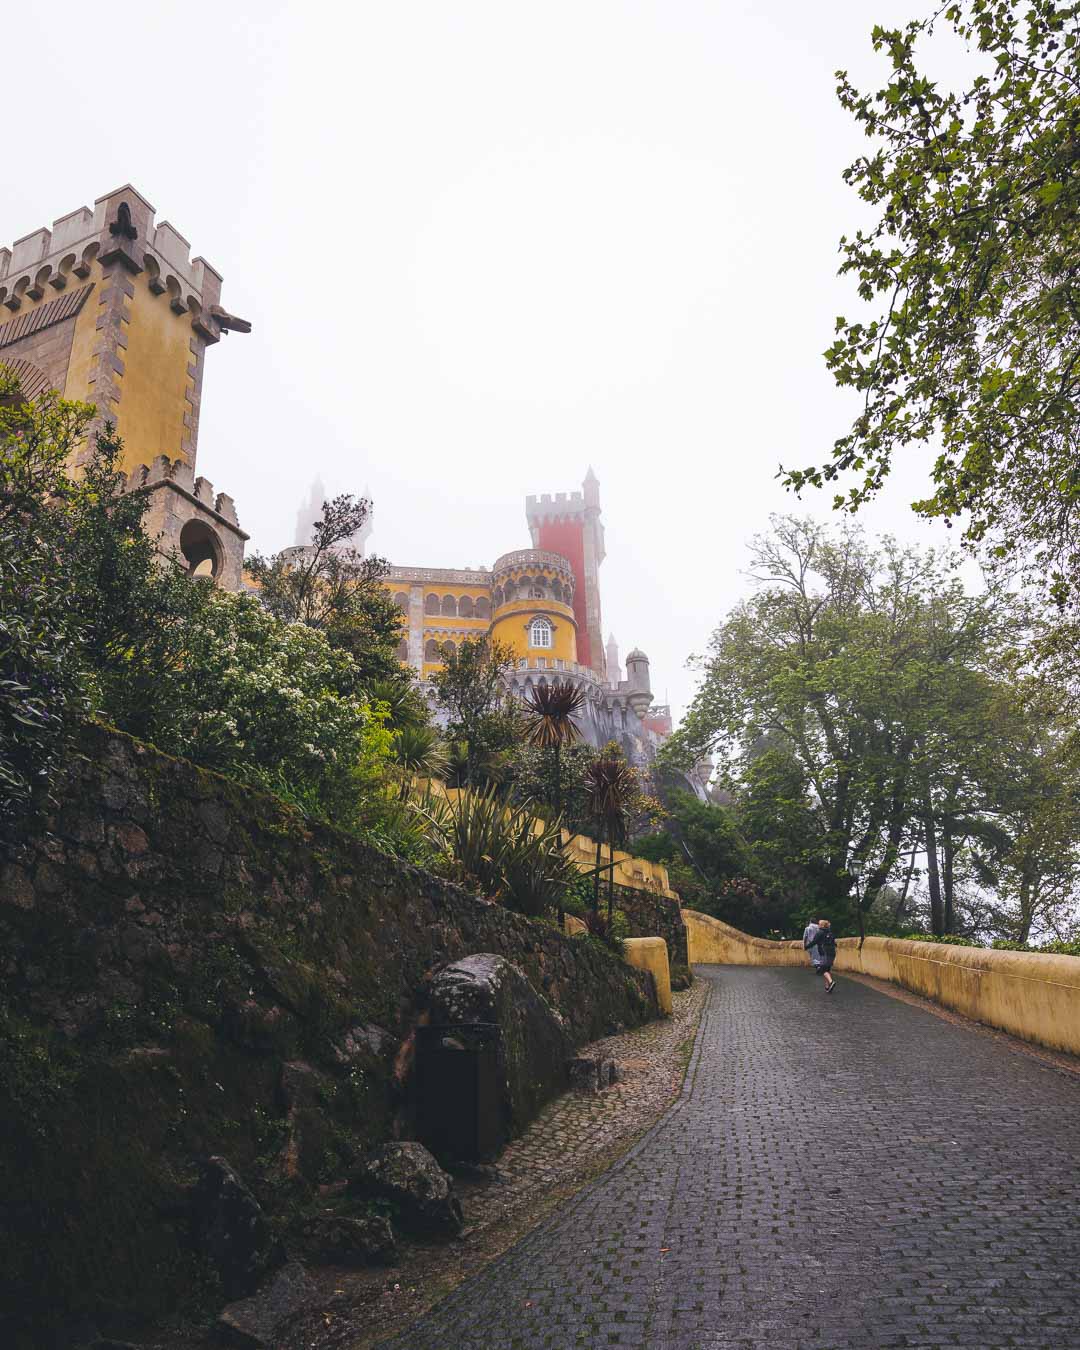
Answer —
167 944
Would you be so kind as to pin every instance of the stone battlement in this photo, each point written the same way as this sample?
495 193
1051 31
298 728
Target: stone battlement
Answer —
180 474
555 504
531 558
120 227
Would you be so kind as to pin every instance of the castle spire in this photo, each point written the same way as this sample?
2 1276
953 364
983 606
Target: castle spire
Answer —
614 673
309 513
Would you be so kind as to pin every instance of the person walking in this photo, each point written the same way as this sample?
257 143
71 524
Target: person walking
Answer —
824 947
810 932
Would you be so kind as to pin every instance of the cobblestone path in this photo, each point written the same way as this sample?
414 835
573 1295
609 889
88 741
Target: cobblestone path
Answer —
839 1172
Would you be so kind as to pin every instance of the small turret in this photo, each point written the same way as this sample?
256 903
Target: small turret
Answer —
614 673
637 675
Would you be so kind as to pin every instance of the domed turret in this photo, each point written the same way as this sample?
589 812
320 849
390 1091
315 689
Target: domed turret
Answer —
532 601
637 675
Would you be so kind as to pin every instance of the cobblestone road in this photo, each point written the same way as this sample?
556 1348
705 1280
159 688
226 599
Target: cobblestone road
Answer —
840 1172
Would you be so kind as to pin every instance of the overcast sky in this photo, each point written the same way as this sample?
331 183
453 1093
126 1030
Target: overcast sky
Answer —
484 245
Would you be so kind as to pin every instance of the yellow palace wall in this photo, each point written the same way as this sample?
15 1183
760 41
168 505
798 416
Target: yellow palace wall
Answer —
1031 994
512 624
155 381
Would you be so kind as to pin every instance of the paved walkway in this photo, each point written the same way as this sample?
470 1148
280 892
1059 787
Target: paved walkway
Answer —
840 1172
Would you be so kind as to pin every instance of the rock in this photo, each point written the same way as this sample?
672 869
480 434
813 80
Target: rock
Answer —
408 1177
260 1319
533 1044
366 1041
591 1073
229 1226
342 1241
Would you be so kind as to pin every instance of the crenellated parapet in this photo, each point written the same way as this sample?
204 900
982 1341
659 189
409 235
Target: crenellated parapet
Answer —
179 474
120 229
107 306
554 506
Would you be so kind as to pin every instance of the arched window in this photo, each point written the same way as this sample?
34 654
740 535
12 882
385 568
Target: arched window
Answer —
449 647
449 606
540 631
201 549
431 650
402 602
556 590
403 649
497 596
465 607
483 609
431 604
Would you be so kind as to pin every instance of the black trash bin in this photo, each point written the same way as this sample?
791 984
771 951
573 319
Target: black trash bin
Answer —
459 1116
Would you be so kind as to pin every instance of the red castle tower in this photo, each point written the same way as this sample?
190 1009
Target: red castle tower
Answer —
569 524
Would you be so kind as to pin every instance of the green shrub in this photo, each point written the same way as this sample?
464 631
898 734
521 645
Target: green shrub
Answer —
949 939
505 851
1056 947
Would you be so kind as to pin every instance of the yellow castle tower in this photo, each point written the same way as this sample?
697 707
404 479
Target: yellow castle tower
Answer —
107 307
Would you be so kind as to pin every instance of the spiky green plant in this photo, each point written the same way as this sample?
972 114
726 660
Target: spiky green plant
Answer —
504 850
404 702
550 723
419 753
610 784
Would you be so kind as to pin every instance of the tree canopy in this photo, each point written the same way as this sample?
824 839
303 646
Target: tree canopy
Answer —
968 331
864 714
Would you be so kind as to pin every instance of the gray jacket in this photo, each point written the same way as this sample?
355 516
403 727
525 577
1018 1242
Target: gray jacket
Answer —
810 932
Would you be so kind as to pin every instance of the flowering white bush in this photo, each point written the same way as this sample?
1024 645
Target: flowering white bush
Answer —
274 703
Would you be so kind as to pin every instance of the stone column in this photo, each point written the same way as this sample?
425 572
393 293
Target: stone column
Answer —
416 627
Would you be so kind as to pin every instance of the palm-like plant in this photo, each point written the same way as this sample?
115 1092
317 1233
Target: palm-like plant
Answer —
404 702
550 722
504 850
419 753
610 784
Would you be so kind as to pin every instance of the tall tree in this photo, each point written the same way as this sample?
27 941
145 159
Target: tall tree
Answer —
331 586
851 661
470 688
971 269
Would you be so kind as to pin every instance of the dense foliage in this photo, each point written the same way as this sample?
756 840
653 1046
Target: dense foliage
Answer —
885 760
98 622
295 688
329 585
484 722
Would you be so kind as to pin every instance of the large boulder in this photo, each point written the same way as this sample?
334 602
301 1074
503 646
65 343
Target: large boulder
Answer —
339 1240
259 1320
230 1229
533 1044
422 1195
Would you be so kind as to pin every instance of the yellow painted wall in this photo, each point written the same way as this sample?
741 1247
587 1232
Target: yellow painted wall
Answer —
1031 994
154 386
155 382
651 954
82 358
511 626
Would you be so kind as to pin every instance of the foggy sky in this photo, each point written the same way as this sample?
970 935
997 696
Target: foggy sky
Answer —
484 245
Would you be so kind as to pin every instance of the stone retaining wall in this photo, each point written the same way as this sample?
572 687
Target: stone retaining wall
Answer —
1033 995
168 946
